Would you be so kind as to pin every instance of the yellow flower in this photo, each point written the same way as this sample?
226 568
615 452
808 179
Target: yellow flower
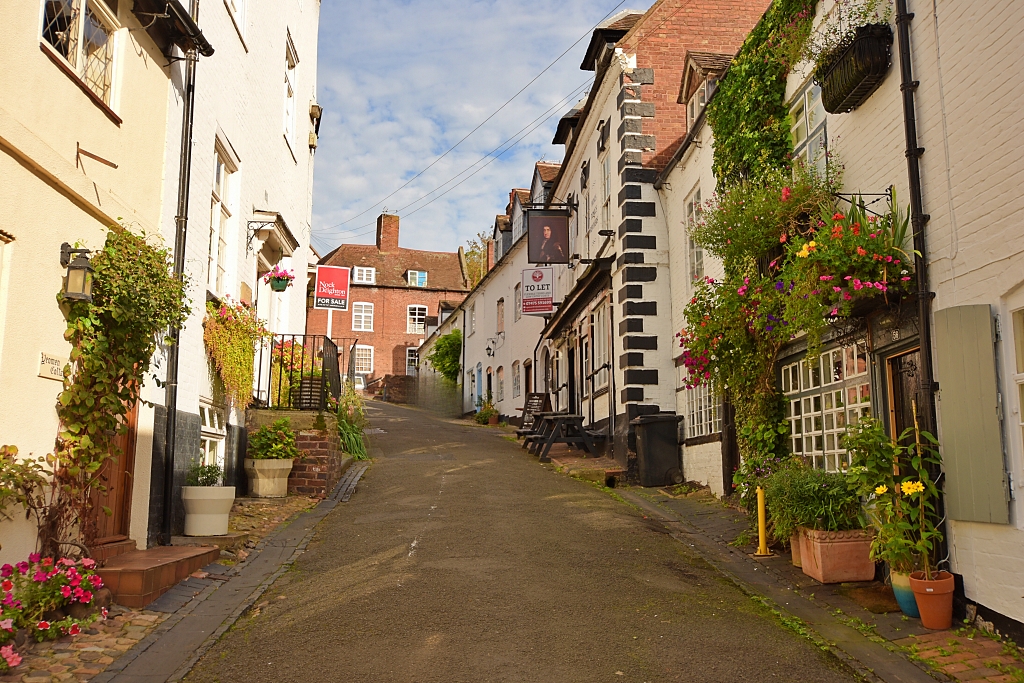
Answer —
803 253
813 243
911 487
879 490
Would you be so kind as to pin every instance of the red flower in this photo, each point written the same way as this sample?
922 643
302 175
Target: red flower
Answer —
786 194
837 216
74 630
782 237
43 626
7 585
860 251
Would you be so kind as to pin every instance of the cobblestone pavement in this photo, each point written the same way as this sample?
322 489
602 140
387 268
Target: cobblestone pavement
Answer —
967 655
462 559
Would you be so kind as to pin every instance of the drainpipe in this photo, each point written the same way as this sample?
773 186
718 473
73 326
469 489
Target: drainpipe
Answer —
918 219
180 231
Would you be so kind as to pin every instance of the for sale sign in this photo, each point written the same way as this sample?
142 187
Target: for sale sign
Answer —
331 288
538 291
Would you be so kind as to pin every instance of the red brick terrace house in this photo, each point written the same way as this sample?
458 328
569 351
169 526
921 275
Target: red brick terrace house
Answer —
392 293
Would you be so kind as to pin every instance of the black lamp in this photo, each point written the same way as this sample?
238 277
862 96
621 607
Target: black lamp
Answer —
78 282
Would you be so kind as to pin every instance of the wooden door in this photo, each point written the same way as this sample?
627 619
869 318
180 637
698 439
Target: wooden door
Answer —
117 476
903 381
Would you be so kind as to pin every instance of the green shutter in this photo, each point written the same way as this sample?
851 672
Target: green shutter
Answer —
972 448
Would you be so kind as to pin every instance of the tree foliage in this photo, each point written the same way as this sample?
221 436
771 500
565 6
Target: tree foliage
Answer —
446 356
476 257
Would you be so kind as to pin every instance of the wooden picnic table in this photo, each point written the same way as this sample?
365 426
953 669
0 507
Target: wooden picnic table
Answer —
560 428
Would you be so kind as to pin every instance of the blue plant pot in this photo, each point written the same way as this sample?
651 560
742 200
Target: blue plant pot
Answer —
904 595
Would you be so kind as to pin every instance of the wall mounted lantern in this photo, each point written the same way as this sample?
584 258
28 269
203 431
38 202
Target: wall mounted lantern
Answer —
78 282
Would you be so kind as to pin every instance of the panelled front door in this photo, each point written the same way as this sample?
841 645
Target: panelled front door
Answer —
902 377
118 479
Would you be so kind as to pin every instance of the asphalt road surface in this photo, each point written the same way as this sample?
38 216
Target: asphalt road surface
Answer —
461 559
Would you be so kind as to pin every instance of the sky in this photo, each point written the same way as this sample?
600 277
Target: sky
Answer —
402 81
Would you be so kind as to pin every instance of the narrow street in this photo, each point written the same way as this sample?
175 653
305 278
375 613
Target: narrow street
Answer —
460 558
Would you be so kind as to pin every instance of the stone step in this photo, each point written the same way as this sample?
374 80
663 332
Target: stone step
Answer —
232 541
140 577
102 553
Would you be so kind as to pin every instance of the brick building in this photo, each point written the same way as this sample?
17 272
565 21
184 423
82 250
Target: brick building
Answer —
392 294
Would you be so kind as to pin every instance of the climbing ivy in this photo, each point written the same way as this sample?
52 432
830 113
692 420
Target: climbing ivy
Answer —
231 332
446 356
748 112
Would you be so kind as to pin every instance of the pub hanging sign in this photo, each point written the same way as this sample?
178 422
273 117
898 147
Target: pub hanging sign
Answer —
548 236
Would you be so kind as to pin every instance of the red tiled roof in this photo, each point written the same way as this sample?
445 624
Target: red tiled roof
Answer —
524 195
548 171
443 268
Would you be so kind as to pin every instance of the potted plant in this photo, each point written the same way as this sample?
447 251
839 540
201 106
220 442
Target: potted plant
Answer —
486 413
825 510
780 490
876 461
278 278
933 589
851 52
270 454
207 504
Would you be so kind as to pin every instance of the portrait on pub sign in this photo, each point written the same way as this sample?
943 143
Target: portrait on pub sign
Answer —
548 234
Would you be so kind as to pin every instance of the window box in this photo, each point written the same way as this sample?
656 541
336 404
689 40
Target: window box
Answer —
855 69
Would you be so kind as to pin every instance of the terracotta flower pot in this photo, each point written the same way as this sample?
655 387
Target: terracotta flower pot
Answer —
934 599
837 556
492 420
904 593
794 547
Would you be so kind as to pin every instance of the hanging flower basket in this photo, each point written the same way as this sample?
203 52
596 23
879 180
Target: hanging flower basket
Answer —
279 284
279 279
850 73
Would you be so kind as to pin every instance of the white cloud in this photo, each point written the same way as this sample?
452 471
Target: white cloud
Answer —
401 82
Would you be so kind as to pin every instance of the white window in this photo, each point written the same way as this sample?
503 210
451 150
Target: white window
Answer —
412 360
416 318
220 219
517 382
472 320
417 278
364 360
518 301
500 313
807 114
364 276
362 317
702 414
291 61
1018 377
601 335
501 384
212 433
82 33
693 216
699 98
822 398
606 177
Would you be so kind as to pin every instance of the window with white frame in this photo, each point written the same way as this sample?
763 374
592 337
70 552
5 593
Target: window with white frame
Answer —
822 398
700 98
586 337
517 381
807 114
601 335
416 319
412 360
364 360
291 61
693 216
703 417
500 374
362 317
500 315
82 33
212 434
518 313
417 278
1018 377
472 320
364 276
220 218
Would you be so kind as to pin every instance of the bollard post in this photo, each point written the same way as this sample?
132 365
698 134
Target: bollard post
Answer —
762 526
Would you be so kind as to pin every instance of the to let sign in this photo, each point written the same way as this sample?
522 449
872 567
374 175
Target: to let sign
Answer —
331 288
538 291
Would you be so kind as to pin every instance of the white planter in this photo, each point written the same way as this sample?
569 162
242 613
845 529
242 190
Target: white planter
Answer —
206 509
268 478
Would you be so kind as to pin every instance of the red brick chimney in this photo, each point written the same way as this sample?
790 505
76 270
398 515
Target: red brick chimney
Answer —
490 255
387 233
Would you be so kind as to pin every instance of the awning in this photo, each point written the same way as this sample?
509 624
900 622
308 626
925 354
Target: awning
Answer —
596 279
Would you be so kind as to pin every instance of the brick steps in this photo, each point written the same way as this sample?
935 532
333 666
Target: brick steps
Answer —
140 577
102 553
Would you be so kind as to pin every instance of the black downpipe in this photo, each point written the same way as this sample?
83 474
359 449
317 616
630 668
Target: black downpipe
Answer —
180 231
918 220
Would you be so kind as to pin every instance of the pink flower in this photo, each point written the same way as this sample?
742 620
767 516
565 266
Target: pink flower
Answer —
825 278
837 289
22 568
904 279
39 576
7 624
6 571
34 557
66 561
848 277
835 311
12 658
86 597
888 259
43 625
75 580
65 591
88 563
96 581
78 593
847 297
786 194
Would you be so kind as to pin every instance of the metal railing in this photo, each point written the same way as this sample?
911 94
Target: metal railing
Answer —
301 371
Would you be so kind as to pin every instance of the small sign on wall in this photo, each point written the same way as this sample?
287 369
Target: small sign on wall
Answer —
538 298
51 366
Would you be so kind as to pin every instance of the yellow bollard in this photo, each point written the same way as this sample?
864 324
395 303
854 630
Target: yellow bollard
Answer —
762 526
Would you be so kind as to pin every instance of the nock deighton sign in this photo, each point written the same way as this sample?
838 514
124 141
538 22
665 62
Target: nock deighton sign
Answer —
331 288
538 291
